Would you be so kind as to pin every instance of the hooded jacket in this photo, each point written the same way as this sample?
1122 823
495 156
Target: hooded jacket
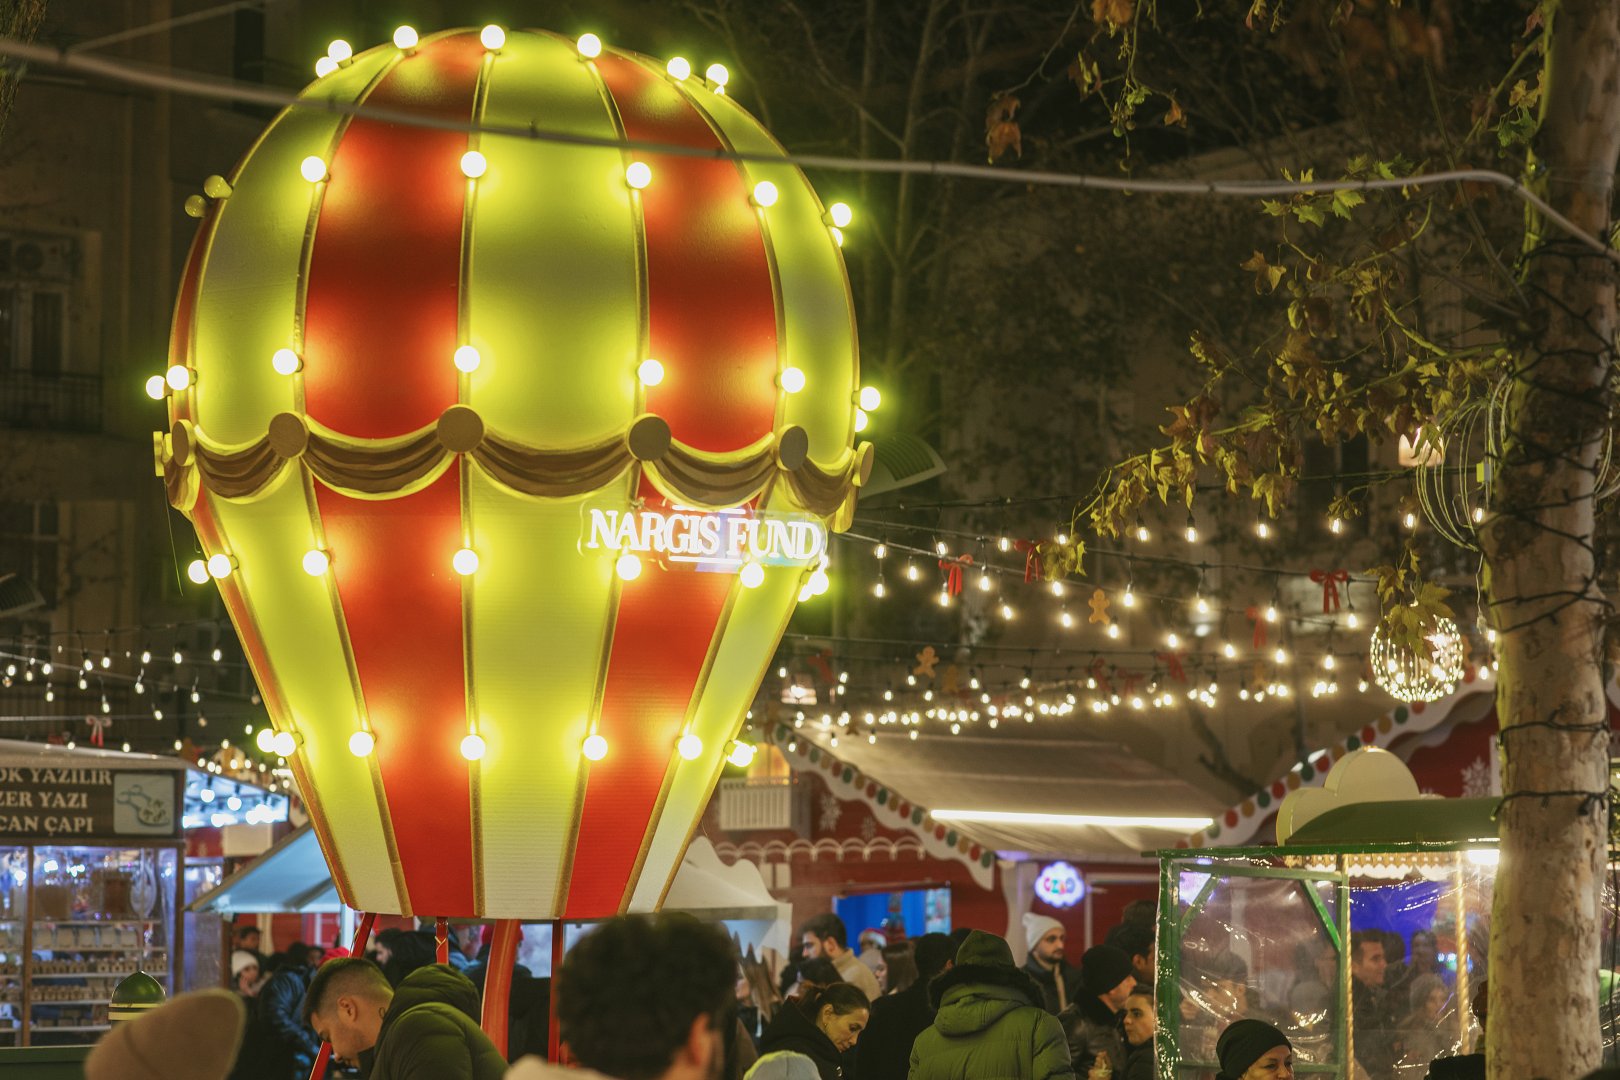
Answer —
991 1024
884 1049
431 1032
1048 982
790 1029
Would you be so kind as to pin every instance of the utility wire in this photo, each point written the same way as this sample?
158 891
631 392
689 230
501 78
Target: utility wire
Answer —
194 85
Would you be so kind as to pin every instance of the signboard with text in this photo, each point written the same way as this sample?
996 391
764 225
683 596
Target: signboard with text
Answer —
712 539
85 803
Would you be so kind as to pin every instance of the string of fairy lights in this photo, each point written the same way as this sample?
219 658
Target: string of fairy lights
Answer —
1098 662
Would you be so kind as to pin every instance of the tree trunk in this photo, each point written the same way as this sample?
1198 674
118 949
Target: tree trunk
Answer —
1545 600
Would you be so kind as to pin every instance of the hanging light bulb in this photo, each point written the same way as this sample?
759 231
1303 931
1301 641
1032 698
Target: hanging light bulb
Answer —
1191 532
1228 650
1113 631
1328 661
1173 640
1281 655
1057 588
1262 528
1142 534
1270 614
1335 525
879 590
1128 598
912 573
1201 605
984 580
1066 619
1006 611
1409 520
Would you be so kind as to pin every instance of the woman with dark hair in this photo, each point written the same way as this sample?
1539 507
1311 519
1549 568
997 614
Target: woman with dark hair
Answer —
898 969
825 1023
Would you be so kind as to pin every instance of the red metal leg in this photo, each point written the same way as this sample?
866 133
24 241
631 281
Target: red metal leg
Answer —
498 983
361 936
553 1032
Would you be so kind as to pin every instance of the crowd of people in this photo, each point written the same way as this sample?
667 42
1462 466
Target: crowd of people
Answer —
669 998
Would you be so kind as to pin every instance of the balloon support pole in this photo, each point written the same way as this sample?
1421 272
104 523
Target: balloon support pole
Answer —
553 1034
498 984
361 936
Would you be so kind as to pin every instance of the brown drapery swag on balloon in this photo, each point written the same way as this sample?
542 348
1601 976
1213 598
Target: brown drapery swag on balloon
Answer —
391 468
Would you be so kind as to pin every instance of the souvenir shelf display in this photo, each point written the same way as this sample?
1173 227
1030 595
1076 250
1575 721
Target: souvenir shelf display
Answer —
74 920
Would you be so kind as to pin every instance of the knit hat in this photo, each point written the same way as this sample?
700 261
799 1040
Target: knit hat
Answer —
783 1065
241 960
1104 967
1037 927
1243 1043
193 1037
984 950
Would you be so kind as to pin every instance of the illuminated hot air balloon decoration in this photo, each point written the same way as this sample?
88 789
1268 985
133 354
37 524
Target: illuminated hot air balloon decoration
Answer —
514 456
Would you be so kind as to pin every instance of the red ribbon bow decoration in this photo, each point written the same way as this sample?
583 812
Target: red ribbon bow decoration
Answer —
1172 665
1329 580
1100 673
1258 617
953 572
1032 560
98 725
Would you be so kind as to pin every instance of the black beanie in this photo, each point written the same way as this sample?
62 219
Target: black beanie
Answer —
1104 967
1243 1043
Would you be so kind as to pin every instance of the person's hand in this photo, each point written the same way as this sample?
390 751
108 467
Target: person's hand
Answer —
1101 1069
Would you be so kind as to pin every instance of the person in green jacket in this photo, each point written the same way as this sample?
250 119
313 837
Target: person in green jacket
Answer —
992 1023
425 1029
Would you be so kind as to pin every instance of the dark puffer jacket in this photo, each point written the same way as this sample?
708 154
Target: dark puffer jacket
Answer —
991 1025
288 1044
431 1032
1093 1029
790 1029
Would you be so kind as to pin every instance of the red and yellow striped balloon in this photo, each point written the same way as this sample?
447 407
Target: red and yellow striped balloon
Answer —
367 270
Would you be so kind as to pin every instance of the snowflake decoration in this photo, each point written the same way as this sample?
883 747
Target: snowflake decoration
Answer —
1477 779
832 808
868 829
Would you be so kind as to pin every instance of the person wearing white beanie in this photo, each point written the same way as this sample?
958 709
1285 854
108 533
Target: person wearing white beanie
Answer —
1058 980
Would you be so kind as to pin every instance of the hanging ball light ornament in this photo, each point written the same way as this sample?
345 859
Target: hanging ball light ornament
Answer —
612 515
1427 673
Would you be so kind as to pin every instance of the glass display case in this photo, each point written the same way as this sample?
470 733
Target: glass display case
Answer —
74 920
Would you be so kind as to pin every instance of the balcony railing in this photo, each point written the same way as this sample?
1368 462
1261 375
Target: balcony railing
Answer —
776 803
50 402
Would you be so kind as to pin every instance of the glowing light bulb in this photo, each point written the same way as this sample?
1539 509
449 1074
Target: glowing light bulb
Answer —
1057 588
595 747
1007 612
881 551
178 377
220 566
1113 631
266 740
1066 619
1201 605
472 747
840 215
1262 530
752 576
313 169
1328 662
197 571
837 235
1128 599
742 754
325 66
638 174
284 744
465 561
340 50
1271 613
651 372
1228 650
405 37
157 387
819 582
791 380
589 46
316 561
493 38
880 590
765 193
467 358
861 419
679 67
689 746
717 75
1351 620
1335 526
870 398
984 581
1142 534
1172 640
1281 656
473 165
285 361
1409 520
628 566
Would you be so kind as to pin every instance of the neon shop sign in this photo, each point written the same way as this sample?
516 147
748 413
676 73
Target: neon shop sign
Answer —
1060 885
714 539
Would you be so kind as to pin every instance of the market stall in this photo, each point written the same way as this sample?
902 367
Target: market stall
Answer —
1266 931
92 854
